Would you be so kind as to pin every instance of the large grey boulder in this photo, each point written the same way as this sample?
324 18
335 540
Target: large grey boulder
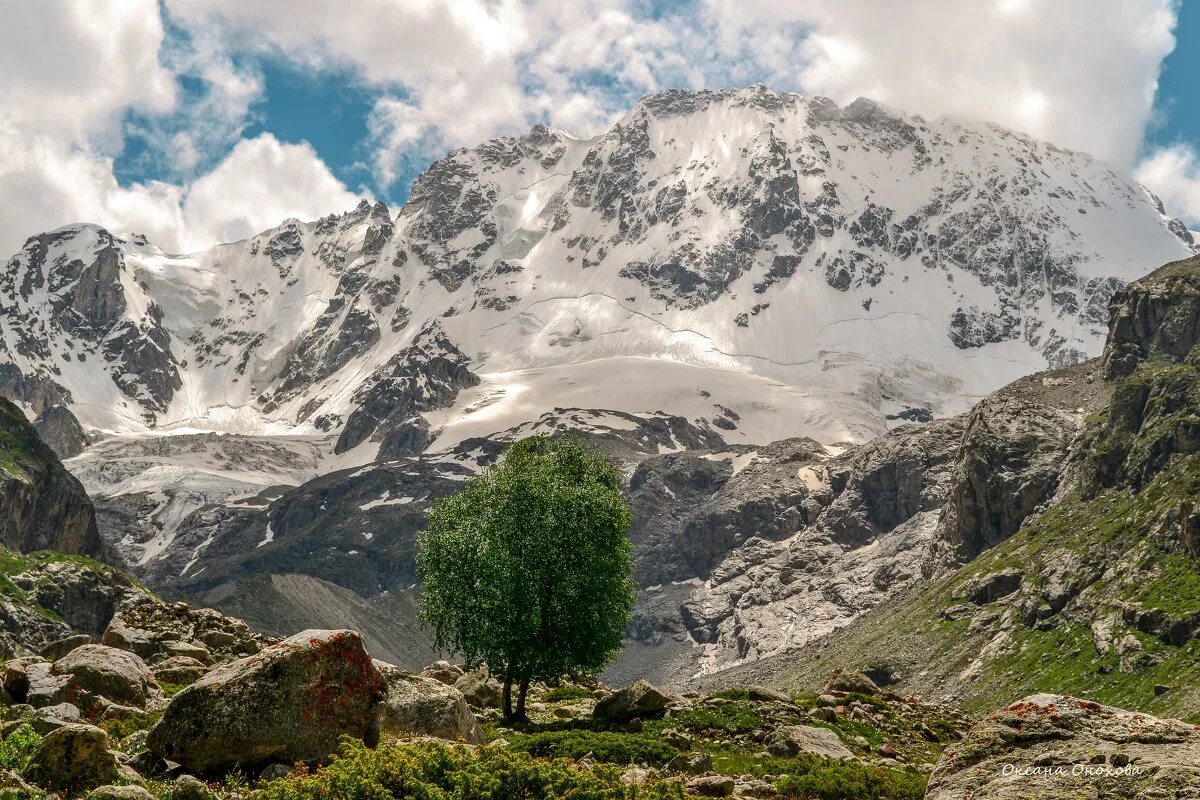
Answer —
113 674
641 699
1056 746
420 705
791 740
73 758
291 702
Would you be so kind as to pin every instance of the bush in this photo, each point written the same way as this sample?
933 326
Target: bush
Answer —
612 748
561 694
433 771
731 717
17 748
813 778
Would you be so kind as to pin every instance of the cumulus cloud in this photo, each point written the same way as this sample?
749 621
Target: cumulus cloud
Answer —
1077 72
445 73
261 183
1173 173
73 79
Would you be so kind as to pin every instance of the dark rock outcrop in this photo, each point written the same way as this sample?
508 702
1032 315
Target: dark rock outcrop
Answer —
59 429
42 506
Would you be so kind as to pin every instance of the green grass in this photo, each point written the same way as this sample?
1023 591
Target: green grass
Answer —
18 747
562 694
731 717
436 771
1176 590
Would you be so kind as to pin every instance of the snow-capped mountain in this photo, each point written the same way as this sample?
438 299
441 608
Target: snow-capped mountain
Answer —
764 264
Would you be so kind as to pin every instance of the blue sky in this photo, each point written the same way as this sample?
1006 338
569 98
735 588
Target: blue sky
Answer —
197 121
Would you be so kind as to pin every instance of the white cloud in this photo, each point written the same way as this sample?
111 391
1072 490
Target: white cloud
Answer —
1173 173
72 72
261 183
1079 73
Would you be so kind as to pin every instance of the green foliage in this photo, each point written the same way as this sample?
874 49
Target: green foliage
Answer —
434 771
562 694
20 447
612 748
18 747
812 778
528 568
731 717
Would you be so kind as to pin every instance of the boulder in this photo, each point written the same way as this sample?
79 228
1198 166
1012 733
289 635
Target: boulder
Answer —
188 787
791 740
767 695
74 758
49 718
119 793
994 585
419 705
480 689
291 702
1057 746
180 670
194 650
113 674
443 671
47 688
642 699
56 650
711 786
843 681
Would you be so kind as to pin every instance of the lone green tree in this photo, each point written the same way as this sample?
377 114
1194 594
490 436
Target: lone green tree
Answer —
529 567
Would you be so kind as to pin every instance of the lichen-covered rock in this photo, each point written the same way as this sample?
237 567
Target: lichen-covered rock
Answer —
189 787
790 740
113 674
480 689
59 648
641 699
154 629
128 792
1055 746
443 671
180 670
420 705
291 702
849 681
74 758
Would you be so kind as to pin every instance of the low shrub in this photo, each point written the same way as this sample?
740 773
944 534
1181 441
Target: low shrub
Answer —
17 748
434 771
611 748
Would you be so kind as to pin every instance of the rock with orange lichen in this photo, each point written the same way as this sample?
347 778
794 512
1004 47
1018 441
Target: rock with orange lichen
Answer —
1058 746
291 702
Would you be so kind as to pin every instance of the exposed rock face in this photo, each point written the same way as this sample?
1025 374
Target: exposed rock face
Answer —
1055 746
421 706
59 429
291 702
1159 314
155 630
42 506
1013 452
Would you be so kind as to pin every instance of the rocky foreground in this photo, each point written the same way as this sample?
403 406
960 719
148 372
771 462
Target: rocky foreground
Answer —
168 701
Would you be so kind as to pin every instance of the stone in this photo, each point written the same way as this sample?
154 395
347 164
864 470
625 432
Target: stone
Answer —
765 694
844 681
1131 754
691 763
790 740
193 650
16 681
49 718
480 689
74 758
114 674
179 670
57 649
642 699
291 702
443 671
188 787
119 793
711 786
273 772
994 585
417 705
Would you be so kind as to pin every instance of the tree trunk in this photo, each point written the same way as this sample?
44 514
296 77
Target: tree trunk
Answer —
522 688
508 709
